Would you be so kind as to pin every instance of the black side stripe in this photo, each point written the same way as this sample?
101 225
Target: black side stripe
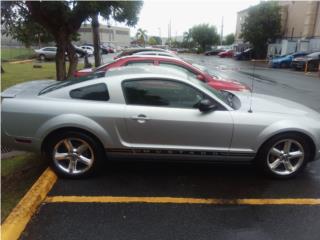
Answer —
179 152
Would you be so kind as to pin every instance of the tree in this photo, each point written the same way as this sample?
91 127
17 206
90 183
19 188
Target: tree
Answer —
152 41
262 26
141 36
229 39
17 24
204 35
62 19
121 11
155 40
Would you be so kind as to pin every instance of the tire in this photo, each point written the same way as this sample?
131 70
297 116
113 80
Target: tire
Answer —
80 159
42 57
273 158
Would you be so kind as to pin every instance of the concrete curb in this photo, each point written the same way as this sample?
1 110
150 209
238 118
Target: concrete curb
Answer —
22 61
19 217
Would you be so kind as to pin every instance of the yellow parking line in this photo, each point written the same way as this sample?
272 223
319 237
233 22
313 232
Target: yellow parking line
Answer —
178 200
21 214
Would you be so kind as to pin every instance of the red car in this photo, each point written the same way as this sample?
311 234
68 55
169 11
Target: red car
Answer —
198 71
227 53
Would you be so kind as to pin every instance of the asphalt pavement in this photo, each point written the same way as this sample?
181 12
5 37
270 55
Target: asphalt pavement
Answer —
112 220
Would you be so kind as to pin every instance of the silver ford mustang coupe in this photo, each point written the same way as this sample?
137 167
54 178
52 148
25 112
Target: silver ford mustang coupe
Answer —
154 112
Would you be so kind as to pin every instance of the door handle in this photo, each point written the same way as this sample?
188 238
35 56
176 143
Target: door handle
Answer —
141 118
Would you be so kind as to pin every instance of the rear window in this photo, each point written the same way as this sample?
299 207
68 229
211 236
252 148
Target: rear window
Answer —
95 92
66 83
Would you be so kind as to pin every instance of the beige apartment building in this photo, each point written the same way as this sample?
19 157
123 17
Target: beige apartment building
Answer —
109 35
300 24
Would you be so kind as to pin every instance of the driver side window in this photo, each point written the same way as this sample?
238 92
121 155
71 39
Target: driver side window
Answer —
161 93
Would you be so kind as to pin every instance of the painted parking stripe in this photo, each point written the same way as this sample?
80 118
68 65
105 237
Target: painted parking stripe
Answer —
19 217
178 200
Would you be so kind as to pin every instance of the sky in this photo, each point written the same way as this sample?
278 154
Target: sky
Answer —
155 15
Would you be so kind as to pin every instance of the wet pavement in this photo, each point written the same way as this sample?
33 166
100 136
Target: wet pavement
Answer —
185 180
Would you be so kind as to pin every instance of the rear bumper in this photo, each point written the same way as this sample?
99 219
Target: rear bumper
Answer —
20 143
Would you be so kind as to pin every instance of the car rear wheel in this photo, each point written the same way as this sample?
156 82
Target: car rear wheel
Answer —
284 156
74 154
42 57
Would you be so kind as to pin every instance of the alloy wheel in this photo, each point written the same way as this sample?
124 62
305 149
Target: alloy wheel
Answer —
73 156
285 157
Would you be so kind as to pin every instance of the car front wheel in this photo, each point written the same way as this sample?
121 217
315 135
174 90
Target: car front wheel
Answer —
74 154
284 156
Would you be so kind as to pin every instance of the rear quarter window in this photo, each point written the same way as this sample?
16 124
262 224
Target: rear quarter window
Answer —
95 92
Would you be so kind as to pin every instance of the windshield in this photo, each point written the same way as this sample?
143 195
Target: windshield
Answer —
215 92
206 70
103 66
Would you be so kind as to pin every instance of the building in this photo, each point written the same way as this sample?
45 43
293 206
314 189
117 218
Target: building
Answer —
109 35
300 24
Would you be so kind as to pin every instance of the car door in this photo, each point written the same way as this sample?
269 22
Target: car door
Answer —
163 114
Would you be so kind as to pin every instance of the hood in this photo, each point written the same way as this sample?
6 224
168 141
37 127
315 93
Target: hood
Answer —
279 59
226 85
266 103
27 88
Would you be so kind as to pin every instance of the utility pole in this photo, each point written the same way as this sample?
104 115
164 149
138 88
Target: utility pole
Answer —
221 33
169 33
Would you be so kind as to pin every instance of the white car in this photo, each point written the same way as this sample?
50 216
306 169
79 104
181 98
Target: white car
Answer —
88 49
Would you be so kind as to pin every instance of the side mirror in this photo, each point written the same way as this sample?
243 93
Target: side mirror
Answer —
206 105
201 77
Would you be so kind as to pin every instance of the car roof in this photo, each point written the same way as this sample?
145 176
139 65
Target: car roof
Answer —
146 71
152 57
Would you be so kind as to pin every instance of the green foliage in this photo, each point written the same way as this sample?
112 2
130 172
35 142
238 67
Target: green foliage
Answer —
156 39
141 36
229 39
17 23
62 20
152 41
187 41
204 35
262 26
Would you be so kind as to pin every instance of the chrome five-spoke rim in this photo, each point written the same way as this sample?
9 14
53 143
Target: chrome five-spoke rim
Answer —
285 157
73 156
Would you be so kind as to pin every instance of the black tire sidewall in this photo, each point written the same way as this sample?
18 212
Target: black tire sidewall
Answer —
98 153
261 159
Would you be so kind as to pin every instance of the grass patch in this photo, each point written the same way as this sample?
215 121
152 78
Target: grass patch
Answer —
22 72
17 176
8 54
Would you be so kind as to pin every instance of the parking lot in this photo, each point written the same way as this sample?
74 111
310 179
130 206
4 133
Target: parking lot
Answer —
154 200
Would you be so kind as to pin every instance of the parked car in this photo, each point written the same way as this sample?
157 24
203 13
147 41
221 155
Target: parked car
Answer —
286 60
88 49
245 55
155 53
197 71
227 53
104 49
312 61
214 52
46 53
80 51
131 51
152 113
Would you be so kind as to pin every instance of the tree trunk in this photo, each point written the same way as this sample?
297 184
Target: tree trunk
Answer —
73 59
60 58
96 40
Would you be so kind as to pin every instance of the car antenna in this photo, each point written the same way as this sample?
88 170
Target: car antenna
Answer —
252 81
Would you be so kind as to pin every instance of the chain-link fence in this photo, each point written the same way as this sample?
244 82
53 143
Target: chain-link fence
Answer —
16 53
